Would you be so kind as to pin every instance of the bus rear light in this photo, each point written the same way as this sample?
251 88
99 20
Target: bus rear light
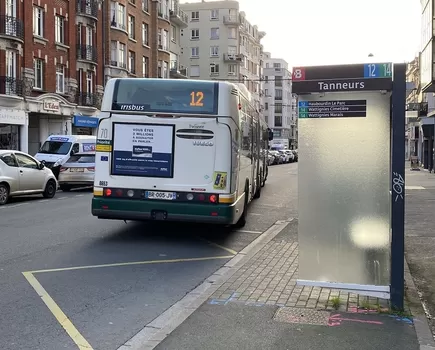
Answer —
104 207
213 198
214 213
201 197
118 193
189 196
108 192
130 193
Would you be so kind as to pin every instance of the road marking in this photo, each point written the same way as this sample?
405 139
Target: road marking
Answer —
414 188
229 250
64 321
60 198
42 200
255 214
247 231
79 195
147 262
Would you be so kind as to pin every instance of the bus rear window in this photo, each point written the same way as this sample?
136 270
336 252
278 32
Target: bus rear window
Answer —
161 96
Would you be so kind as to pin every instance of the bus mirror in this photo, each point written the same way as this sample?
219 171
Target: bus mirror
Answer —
270 135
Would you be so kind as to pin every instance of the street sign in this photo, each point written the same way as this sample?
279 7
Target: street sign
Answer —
333 109
342 78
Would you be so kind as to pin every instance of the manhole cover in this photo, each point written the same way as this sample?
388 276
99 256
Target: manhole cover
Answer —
302 316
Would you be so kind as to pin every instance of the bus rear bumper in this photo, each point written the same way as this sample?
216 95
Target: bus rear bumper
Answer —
124 209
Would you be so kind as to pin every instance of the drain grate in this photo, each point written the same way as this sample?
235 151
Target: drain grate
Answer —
302 316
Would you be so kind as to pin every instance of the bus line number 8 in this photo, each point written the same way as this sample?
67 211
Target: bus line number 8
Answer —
196 98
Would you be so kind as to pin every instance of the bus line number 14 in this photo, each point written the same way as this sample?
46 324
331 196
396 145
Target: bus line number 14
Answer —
196 99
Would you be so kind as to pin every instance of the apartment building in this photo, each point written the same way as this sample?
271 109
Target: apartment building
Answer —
221 44
278 101
55 57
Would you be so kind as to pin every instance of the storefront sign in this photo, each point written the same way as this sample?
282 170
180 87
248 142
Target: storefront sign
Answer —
85 122
51 105
15 117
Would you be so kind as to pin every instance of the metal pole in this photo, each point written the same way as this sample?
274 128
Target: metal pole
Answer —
398 186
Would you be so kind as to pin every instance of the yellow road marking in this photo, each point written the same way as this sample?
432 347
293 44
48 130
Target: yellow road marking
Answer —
58 313
229 250
131 264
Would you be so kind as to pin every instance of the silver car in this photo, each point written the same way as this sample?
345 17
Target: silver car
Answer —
78 171
21 174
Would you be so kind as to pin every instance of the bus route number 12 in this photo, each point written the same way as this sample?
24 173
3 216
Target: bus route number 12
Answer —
196 99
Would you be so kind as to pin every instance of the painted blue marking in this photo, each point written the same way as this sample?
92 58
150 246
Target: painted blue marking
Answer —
104 158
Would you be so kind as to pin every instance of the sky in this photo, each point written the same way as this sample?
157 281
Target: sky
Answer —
317 32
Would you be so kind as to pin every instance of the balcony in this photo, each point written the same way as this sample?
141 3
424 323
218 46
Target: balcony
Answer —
12 27
87 53
179 17
232 20
118 64
86 99
11 86
177 71
88 8
233 58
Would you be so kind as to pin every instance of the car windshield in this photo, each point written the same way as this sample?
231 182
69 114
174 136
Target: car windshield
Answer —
84 158
55 147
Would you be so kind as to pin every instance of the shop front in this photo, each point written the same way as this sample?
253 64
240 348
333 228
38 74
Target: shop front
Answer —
13 129
84 125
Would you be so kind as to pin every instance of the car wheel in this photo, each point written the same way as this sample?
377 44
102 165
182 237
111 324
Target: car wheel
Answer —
258 189
50 189
4 194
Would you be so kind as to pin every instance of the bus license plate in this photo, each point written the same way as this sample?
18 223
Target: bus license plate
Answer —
169 196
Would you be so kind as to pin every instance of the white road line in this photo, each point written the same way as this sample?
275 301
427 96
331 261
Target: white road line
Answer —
247 231
60 198
79 195
414 188
255 214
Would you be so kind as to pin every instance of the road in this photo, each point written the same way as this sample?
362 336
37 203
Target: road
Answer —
69 278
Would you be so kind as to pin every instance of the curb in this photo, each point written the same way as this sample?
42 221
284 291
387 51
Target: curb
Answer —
421 323
158 329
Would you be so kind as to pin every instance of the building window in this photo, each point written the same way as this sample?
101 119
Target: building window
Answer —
173 34
163 9
38 21
145 63
145 5
38 67
145 34
59 34
278 107
118 15
214 68
266 106
194 16
214 14
232 69
131 27
162 39
165 69
214 33
132 62
214 51
60 79
232 33
194 71
194 34
194 52
278 120
118 54
278 81
278 94
90 82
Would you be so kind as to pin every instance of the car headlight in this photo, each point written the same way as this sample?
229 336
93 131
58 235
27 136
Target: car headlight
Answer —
57 163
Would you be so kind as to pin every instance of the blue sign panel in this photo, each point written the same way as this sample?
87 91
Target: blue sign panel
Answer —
143 150
85 122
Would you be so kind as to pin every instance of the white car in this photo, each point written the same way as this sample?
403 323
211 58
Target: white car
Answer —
21 174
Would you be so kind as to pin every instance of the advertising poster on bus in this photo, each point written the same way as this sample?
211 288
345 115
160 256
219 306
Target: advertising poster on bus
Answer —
143 150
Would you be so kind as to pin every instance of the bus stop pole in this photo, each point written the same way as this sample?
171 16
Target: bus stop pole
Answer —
397 288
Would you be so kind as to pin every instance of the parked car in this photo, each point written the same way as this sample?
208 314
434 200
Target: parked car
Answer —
21 174
295 153
285 156
290 155
278 159
78 171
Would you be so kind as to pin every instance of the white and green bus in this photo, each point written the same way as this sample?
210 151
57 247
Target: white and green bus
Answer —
178 150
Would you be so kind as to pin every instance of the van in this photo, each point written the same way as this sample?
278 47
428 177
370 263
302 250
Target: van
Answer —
57 149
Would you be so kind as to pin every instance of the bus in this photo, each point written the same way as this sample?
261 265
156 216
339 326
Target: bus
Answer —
178 150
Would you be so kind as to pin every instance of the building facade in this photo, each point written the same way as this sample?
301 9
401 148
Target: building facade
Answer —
54 68
279 102
220 43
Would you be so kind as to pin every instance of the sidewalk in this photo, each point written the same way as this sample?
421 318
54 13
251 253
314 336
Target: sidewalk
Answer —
261 307
420 233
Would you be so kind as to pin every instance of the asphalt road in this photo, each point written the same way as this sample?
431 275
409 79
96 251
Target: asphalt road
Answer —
68 278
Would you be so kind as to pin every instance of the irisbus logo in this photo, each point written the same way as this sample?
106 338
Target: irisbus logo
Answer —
131 107
203 143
